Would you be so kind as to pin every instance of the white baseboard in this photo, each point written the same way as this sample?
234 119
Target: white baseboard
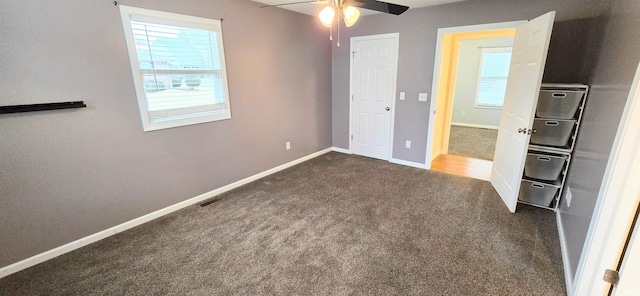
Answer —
39 258
408 163
565 256
391 160
341 150
474 125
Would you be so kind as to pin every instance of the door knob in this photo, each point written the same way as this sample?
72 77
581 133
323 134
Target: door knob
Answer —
387 108
525 131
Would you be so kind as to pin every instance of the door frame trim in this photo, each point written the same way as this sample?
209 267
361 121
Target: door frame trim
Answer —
396 39
436 72
615 207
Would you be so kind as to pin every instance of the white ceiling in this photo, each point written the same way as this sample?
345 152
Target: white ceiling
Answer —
313 9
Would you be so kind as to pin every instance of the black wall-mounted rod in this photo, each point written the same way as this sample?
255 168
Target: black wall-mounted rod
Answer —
41 107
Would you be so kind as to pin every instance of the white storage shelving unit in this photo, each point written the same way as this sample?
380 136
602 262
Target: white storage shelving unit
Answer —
555 129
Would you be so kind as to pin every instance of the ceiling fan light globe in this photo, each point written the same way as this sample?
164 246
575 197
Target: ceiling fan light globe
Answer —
326 16
351 15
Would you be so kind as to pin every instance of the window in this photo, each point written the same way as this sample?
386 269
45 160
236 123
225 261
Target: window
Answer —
178 67
492 80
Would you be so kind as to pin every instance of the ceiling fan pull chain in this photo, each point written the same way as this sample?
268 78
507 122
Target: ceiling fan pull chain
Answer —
338 27
331 32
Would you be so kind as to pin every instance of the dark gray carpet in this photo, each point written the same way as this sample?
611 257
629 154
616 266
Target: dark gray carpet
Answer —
473 142
335 225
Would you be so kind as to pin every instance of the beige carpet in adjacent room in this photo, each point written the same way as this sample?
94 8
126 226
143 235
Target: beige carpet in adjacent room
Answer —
473 142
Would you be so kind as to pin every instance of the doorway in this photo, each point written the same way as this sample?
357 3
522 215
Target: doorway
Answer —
374 63
463 130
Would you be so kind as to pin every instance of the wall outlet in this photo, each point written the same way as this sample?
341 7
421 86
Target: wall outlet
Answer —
463 112
401 96
568 197
422 97
288 145
407 144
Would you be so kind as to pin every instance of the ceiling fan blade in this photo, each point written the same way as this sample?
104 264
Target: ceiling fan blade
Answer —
299 2
380 6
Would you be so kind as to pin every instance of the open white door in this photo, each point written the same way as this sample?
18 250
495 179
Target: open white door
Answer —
530 46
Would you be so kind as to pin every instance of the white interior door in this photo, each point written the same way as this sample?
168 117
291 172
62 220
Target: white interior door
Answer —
629 187
373 83
614 212
630 268
625 167
530 46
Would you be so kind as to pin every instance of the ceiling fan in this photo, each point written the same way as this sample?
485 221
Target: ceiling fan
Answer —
348 10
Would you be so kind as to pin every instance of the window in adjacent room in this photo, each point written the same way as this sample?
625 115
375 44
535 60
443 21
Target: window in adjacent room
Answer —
178 67
492 80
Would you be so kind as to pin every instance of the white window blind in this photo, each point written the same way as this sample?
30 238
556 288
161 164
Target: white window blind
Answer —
178 66
492 80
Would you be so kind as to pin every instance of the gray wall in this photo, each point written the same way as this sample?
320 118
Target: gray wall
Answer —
464 97
573 49
610 86
68 174
418 29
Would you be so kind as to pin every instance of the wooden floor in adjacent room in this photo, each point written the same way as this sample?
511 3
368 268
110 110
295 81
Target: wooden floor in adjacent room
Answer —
463 166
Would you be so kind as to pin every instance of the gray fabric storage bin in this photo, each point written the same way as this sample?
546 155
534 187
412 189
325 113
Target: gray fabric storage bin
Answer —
537 193
558 104
544 167
552 132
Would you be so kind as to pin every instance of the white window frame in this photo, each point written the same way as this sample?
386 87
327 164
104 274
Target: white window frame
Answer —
483 52
129 13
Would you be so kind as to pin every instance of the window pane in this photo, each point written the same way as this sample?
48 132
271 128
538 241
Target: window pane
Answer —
170 47
496 64
494 70
165 92
165 118
491 91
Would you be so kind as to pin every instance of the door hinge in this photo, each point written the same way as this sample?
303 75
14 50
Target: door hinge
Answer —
351 137
611 276
352 97
353 54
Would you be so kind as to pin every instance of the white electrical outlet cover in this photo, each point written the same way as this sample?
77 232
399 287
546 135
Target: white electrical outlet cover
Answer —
422 97
401 96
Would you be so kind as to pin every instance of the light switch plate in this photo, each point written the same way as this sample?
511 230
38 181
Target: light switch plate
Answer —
422 97
407 144
401 96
